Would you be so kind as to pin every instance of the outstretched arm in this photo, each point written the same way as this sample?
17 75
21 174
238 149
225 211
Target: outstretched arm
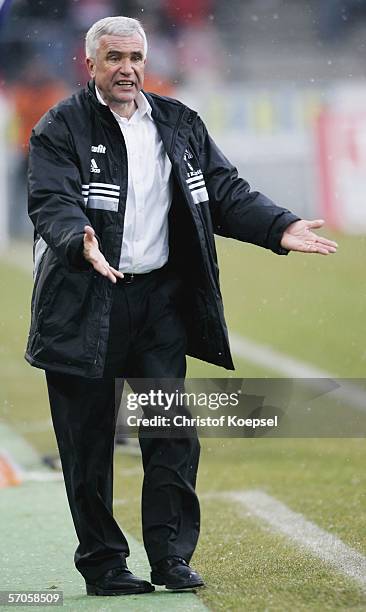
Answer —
236 211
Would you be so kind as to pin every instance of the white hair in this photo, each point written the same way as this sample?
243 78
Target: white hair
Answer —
115 26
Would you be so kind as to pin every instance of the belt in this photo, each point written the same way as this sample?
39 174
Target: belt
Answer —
132 277
129 278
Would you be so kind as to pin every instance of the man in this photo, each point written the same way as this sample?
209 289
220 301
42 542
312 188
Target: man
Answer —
126 190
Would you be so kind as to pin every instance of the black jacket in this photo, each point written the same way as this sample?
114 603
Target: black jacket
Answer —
77 151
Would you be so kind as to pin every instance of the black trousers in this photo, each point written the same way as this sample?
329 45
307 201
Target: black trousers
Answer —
147 340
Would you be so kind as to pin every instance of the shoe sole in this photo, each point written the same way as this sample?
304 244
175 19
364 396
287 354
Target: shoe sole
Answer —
92 590
184 587
156 579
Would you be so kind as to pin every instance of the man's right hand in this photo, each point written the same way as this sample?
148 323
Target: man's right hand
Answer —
96 258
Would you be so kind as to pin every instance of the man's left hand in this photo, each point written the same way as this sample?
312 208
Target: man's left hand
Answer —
299 237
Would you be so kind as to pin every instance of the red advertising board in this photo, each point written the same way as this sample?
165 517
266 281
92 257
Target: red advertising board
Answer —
341 144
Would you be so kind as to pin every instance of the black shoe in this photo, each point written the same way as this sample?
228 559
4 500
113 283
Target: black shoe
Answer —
176 574
118 581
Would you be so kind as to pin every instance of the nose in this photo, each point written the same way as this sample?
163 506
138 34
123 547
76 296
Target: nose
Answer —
125 66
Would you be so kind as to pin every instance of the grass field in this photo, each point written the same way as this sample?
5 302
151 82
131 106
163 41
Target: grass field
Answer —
312 308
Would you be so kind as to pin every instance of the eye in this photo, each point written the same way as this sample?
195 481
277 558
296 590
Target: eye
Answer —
113 58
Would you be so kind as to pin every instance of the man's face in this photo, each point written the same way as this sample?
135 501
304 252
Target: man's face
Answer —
118 68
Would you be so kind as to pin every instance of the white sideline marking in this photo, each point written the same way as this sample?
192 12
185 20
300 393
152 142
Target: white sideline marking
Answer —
124 502
322 544
34 426
46 476
42 476
131 471
265 356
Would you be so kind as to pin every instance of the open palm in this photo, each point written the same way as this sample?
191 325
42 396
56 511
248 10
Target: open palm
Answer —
299 237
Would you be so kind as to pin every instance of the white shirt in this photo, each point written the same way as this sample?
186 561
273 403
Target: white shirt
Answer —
145 245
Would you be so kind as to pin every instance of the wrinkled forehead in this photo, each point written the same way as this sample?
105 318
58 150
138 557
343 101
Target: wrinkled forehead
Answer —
123 44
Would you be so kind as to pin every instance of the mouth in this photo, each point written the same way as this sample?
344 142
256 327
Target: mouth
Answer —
124 84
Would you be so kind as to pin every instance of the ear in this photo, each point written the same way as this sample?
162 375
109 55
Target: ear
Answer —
90 64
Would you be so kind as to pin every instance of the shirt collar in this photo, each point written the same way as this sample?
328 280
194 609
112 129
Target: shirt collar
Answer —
143 108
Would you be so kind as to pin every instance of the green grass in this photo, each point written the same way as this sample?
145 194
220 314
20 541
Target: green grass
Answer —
310 307
23 396
246 565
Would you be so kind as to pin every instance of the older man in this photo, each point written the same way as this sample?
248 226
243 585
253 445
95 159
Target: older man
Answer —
126 192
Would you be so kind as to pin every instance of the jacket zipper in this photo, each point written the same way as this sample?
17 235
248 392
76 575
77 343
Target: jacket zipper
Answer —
174 138
205 263
115 230
208 242
97 351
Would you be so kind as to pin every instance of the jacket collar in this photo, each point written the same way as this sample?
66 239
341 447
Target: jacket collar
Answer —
174 121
